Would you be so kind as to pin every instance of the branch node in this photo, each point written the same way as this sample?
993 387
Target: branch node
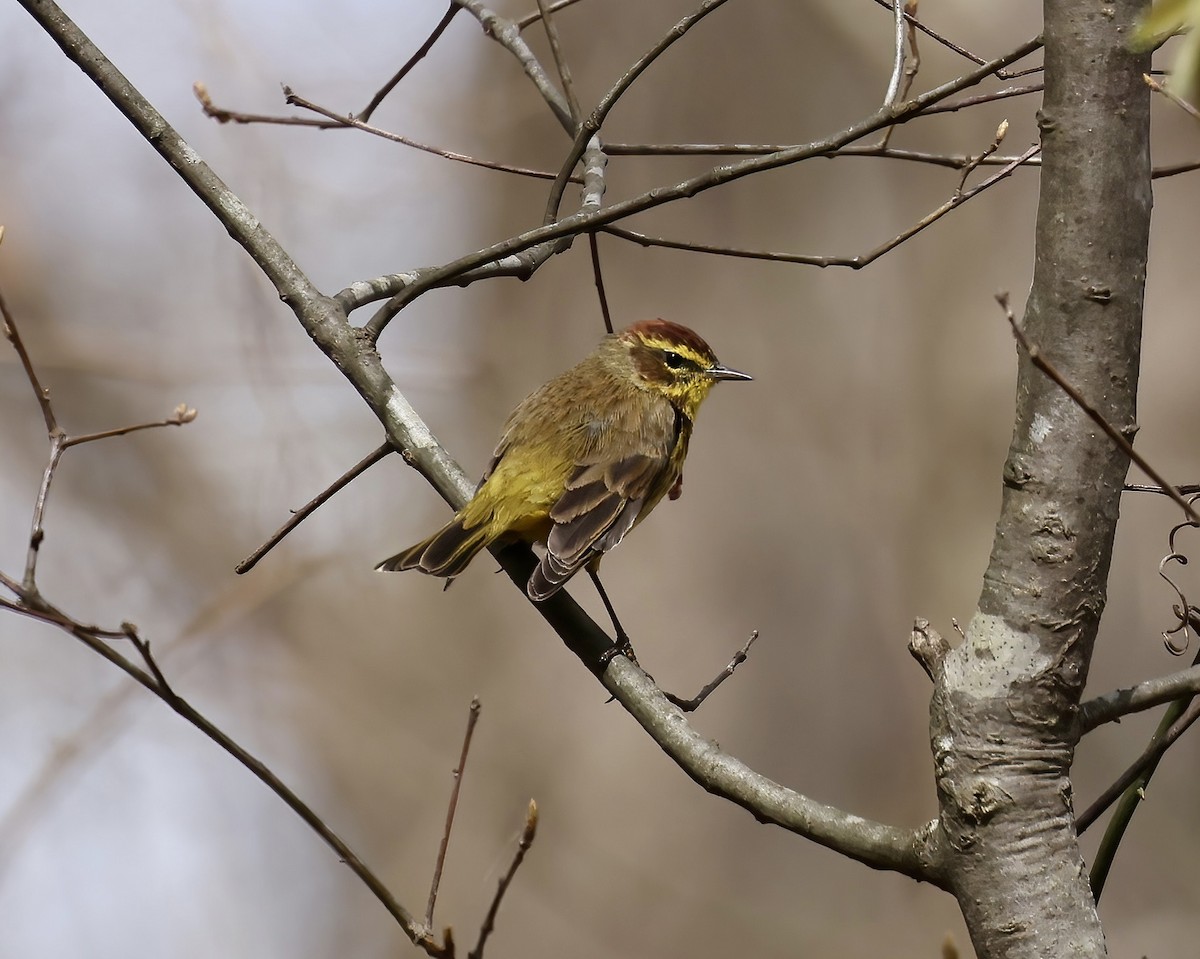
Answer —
928 647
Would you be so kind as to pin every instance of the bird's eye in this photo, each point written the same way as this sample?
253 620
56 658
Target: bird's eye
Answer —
673 360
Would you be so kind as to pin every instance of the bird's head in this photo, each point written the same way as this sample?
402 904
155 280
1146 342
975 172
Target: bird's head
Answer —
671 359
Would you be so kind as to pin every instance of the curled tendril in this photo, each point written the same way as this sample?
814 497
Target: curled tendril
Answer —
1178 637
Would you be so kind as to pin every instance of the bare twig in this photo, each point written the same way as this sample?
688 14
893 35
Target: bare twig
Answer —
222 115
405 287
424 48
1175 169
521 263
357 124
1175 723
60 442
591 126
37 607
963 103
594 247
1112 706
300 515
452 807
1175 98
1110 431
560 62
30 602
143 647
955 161
910 16
691 705
508 35
905 19
534 17
180 416
1131 785
528 833
898 31
13 335
1001 132
957 199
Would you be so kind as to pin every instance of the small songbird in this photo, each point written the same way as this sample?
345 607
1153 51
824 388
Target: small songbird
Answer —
584 459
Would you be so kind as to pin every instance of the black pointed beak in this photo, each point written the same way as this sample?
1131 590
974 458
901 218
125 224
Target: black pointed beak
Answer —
725 373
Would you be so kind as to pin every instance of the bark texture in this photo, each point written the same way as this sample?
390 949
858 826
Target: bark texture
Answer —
1004 714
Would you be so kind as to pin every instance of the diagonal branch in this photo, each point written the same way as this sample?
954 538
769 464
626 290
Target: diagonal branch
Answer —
365 114
405 287
508 35
591 126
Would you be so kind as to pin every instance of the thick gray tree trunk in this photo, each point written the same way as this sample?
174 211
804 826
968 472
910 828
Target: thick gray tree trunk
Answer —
1003 717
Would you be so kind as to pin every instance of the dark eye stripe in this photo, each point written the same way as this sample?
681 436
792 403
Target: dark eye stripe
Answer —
673 360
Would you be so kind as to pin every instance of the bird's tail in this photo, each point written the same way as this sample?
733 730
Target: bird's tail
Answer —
446 553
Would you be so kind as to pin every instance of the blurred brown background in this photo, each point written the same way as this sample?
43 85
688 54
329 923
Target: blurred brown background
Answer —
850 488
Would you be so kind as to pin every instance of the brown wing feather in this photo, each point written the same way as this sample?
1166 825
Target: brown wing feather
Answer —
601 503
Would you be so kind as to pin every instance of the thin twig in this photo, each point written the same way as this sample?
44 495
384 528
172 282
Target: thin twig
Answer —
300 515
180 416
1001 132
560 62
1179 101
898 31
223 115
591 126
1175 169
957 199
472 719
594 247
1175 722
30 602
59 443
1110 431
424 48
690 705
1111 707
1187 489
955 161
508 35
404 287
143 647
354 123
936 37
963 103
528 833
905 16
13 335
39 608
534 17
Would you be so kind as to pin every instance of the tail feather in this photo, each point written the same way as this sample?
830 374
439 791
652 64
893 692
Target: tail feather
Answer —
446 553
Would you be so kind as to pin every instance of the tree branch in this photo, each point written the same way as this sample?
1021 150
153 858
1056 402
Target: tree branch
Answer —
1112 706
405 287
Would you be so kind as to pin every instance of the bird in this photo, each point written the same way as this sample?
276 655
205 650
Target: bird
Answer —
584 459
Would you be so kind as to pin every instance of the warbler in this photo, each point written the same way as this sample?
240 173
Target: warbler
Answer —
584 459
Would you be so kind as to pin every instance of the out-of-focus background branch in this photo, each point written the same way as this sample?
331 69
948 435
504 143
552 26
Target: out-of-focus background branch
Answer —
852 487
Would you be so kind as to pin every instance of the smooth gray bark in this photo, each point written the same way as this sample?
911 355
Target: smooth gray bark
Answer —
1004 713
